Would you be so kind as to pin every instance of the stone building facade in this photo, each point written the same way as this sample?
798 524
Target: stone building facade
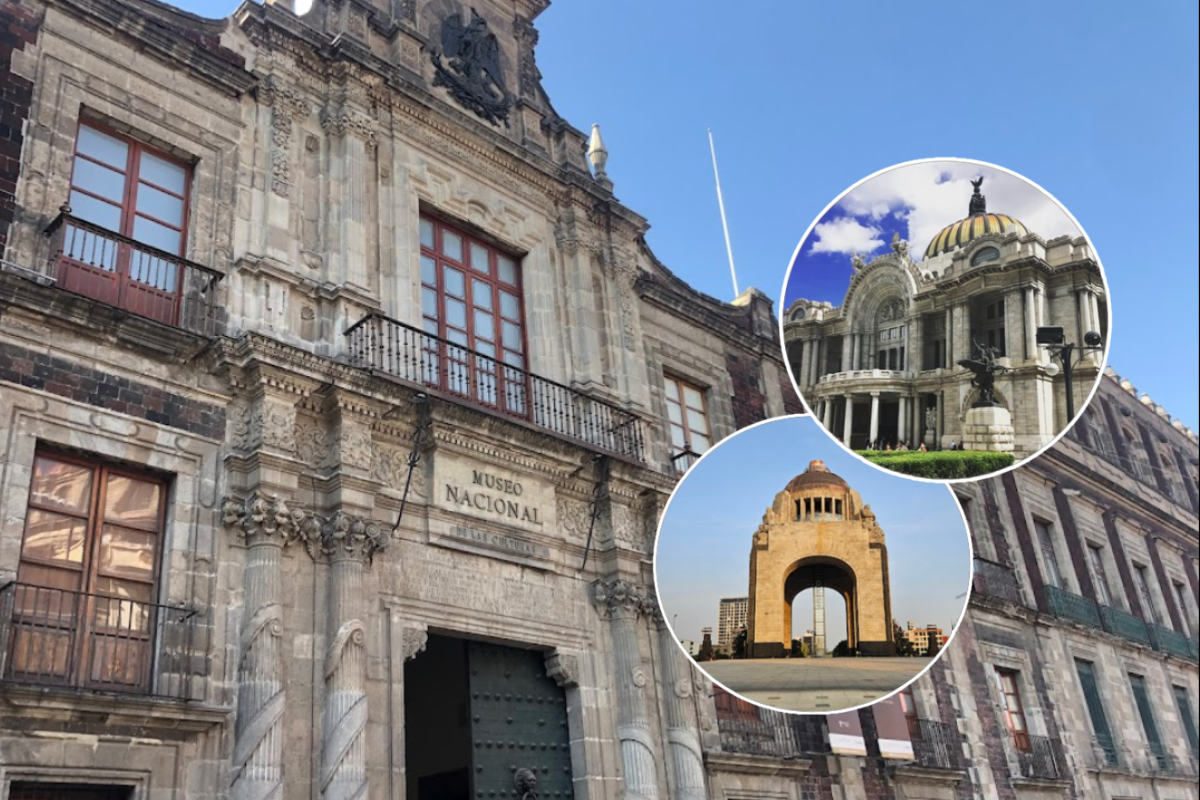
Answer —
819 534
883 366
220 577
340 399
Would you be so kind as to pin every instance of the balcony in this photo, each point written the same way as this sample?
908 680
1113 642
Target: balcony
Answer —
115 270
934 744
1119 623
412 356
1165 640
996 580
73 640
1039 757
864 375
1065 605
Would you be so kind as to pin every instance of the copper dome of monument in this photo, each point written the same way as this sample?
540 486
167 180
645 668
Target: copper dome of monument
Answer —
817 476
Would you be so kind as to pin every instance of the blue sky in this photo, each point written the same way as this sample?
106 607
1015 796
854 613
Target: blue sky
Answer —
704 541
1097 102
915 201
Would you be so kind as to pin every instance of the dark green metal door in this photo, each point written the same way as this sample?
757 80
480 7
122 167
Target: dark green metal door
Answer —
520 746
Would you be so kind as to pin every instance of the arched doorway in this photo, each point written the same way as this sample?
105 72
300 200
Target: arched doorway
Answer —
823 575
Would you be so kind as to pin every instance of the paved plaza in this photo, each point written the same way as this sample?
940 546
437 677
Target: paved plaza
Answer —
815 684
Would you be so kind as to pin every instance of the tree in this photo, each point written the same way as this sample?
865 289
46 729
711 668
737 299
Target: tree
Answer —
842 649
904 647
799 649
739 643
935 645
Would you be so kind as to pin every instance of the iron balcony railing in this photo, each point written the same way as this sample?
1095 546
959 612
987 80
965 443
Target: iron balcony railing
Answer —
684 459
1172 642
1040 757
56 637
401 351
135 277
934 744
1159 760
996 580
1122 624
1066 605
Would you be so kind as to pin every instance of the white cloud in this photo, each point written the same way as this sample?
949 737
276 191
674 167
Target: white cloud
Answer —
845 235
932 195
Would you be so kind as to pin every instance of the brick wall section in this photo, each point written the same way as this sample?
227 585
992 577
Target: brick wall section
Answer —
749 402
875 768
18 28
992 729
84 384
791 400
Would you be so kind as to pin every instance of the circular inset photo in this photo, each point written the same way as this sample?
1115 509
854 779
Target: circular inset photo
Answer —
945 319
802 579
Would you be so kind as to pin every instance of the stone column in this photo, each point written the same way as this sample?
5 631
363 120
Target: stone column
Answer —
267 525
816 361
856 351
828 417
902 422
874 416
1031 348
348 542
622 603
847 352
683 737
848 424
353 143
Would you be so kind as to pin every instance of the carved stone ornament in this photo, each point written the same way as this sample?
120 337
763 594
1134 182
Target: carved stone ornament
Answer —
415 639
618 598
340 120
563 669
349 536
263 518
287 105
471 71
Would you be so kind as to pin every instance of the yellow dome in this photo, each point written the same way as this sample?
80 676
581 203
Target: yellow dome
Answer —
963 231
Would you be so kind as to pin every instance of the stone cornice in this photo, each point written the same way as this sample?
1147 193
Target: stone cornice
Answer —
163 35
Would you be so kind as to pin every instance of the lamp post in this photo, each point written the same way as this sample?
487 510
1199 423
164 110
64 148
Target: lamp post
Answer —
1069 354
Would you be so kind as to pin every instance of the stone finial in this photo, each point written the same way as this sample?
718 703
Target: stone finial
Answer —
597 155
264 518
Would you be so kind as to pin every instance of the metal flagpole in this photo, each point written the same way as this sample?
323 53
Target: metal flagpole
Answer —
721 203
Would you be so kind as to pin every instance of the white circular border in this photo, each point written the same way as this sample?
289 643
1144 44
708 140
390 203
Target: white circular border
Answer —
697 665
1070 423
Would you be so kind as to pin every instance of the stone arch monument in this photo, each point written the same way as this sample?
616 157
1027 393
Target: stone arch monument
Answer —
818 533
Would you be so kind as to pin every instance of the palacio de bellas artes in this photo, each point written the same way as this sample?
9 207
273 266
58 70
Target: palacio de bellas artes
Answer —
340 399
886 366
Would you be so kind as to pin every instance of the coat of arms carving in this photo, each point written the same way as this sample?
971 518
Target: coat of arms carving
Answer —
471 70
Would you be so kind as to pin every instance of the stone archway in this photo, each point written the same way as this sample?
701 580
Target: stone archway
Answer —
819 529
825 573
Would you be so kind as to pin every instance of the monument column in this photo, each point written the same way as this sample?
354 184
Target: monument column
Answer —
267 525
848 424
874 416
349 542
622 603
683 737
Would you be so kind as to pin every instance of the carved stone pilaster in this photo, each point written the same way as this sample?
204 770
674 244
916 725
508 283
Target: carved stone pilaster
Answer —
352 147
340 119
287 106
622 603
349 542
684 753
266 524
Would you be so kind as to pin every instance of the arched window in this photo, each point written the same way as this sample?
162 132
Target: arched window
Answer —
984 255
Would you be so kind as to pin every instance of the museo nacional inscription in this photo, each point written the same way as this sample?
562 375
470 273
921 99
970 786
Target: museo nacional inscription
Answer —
494 495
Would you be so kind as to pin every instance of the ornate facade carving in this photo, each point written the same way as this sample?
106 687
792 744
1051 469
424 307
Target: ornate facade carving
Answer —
264 518
288 105
618 598
415 639
347 536
340 119
563 669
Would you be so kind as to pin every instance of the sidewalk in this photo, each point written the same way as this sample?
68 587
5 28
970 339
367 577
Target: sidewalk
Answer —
815 684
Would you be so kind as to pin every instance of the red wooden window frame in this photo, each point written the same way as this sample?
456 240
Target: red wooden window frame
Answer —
684 426
118 274
99 632
484 355
1014 710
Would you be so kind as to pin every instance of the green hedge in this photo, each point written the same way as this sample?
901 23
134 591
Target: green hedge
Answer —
940 464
